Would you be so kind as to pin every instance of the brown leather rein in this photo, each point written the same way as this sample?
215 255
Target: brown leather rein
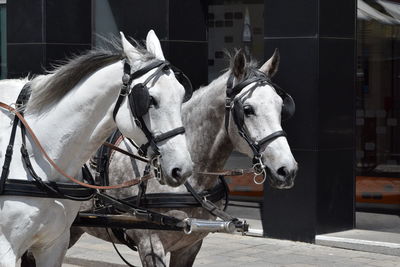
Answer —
128 183
234 172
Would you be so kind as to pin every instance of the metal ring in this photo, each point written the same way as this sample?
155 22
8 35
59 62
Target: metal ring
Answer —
258 168
262 181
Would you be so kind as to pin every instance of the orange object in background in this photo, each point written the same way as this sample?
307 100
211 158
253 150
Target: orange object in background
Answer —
373 194
378 194
243 188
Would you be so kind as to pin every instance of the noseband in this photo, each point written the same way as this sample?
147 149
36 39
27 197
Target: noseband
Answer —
137 95
234 104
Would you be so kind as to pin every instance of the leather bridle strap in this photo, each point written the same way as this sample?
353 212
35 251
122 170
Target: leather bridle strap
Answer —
58 169
8 155
231 93
152 141
128 77
270 138
125 152
169 134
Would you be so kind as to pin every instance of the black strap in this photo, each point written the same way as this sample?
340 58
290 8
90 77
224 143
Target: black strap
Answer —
125 239
210 206
150 216
270 138
147 68
36 188
8 156
22 99
121 98
127 79
179 200
169 134
141 192
152 141
15 187
116 250
231 91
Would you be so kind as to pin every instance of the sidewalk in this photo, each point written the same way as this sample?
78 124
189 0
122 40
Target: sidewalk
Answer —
225 250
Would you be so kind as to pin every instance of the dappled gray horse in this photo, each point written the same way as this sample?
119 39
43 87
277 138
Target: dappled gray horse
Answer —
210 145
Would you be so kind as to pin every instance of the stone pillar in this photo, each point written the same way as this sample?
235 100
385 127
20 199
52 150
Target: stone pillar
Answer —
316 39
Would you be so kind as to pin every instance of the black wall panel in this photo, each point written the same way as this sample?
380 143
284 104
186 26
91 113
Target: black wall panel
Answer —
42 32
317 68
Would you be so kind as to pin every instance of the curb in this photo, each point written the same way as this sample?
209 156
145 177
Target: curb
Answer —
386 248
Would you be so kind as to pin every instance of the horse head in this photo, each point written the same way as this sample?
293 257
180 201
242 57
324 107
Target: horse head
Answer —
154 106
257 107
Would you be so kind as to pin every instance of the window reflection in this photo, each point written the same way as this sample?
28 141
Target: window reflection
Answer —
378 103
233 24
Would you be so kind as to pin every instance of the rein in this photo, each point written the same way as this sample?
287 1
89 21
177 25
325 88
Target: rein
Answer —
233 172
58 169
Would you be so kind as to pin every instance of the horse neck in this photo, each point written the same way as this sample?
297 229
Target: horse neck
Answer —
208 142
78 124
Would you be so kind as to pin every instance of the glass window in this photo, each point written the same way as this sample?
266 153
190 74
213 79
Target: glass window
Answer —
105 25
234 24
378 103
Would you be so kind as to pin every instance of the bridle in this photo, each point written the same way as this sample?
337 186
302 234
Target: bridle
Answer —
234 105
139 102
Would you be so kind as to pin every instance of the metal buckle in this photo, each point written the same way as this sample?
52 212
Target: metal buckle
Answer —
124 90
155 163
228 103
259 170
125 79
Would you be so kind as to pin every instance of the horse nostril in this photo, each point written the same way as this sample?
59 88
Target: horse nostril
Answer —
283 171
176 173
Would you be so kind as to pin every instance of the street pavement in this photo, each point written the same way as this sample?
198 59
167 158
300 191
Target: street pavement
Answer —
225 250
363 248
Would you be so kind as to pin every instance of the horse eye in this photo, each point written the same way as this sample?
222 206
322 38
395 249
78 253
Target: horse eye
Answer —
248 110
153 102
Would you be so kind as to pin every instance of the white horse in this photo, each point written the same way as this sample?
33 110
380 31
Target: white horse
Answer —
210 145
71 112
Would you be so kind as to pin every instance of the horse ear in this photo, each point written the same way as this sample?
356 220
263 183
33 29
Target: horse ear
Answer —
271 66
239 62
129 50
153 45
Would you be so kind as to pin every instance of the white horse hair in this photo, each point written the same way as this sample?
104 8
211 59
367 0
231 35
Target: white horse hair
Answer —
210 146
70 111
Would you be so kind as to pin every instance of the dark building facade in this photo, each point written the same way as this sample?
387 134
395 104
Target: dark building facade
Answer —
317 42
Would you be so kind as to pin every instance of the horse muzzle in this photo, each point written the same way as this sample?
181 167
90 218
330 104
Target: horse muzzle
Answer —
283 178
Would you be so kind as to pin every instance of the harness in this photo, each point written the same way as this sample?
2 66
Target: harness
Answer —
145 201
37 187
79 191
101 163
